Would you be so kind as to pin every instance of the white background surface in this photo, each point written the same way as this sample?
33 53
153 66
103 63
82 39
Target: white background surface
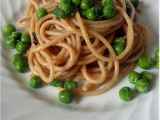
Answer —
20 103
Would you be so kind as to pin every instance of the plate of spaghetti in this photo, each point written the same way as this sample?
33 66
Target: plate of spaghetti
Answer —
76 53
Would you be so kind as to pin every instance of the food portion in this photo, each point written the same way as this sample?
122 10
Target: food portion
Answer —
82 47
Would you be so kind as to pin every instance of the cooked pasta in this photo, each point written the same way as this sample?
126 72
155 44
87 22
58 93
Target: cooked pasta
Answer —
78 49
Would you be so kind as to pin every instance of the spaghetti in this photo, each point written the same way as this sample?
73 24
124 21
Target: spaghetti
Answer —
80 49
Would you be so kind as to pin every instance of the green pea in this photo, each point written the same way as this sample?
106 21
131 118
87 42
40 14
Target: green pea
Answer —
86 4
126 93
69 85
119 40
147 75
119 45
118 48
65 2
143 85
109 11
26 38
76 2
66 6
59 13
8 29
12 40
135 3
90 14
66 96
157 58
133 77
107 2
145 62
20 63
41 12
35 82
57 83
22 47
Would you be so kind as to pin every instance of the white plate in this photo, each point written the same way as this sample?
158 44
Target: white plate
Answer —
20 103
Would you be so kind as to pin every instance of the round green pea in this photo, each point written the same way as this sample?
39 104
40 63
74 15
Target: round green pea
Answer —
133 77
12 40
145 62
66 6
20 63
107 2
69 85
35 82
59 13
86 4
109 11
57 83
126 93
8 29
22 47
66 96
118 48
143 85
157 58
26 38
119 45
90 14
41 12
119 40
147 75
76 2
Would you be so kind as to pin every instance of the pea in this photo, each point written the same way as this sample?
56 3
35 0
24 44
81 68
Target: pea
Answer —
133 77
59 13
147 75
26 38
65 2
157 58
12 40
8 29
107 2
109 11
135 3
69 85
57 83
143 85
119 40
35 82
66 6
76 2
118 48
90 14
126 93
22 47
86 4
66 96
41 12
145 62
20 63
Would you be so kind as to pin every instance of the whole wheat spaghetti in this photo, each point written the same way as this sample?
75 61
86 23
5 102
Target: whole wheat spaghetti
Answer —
78 49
